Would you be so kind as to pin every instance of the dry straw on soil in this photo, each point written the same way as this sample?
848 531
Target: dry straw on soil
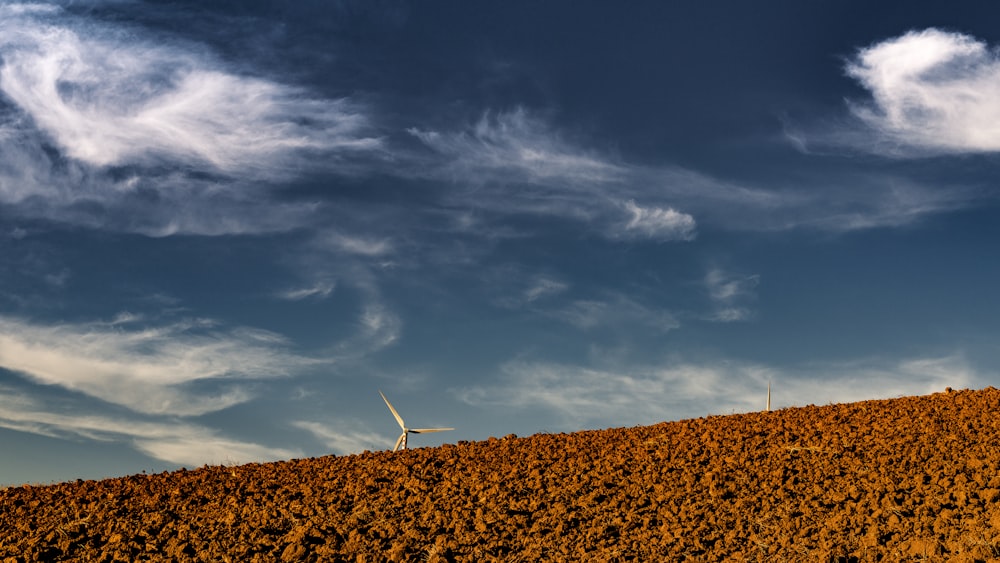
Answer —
909 479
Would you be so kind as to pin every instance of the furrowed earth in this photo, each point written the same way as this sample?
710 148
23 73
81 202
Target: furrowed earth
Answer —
908 479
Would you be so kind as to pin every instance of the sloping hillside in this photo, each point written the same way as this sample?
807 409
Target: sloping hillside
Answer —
915 478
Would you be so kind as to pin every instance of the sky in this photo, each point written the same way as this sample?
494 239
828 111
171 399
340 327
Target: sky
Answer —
226 226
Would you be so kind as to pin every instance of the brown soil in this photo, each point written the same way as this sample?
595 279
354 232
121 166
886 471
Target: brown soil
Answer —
915 478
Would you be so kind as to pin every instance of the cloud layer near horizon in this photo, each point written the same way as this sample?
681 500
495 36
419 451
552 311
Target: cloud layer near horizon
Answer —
171 441
579 396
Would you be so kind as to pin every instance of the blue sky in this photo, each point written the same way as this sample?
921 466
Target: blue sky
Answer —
225 226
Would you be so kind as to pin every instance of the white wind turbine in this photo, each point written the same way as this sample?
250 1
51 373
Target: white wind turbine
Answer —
401 441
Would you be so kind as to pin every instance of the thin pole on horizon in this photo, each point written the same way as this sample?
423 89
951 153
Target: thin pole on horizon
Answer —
768 396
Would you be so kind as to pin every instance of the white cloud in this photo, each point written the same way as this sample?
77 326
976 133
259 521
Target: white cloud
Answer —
658 223
730 314
196 448
615 311
154 135
585 397
149 370
174 442
850 381
728 292
110 97
341 441
378 327
357 245
933 91
518 289
168 371
726 287
543 287
579 396
517 146
319 290
621 200
506 149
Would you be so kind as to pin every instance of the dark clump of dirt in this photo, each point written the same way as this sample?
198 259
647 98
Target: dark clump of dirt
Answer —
909 479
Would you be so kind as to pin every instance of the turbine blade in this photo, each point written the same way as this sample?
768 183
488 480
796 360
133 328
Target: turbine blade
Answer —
426 430
399 441
399 419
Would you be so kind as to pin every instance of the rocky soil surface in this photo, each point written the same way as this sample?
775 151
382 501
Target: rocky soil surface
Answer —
909 479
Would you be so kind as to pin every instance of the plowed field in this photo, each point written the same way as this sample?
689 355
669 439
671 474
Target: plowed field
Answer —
909 479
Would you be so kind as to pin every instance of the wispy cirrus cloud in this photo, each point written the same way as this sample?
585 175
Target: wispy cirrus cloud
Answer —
657 223
486 166
128 129
857 380
170 441
355 245
517 289
517 146
614 311
581 396
933 92
527 167
343 438
378 327
184 368
198 446
542 287
111 97
318 290
729 293
847 202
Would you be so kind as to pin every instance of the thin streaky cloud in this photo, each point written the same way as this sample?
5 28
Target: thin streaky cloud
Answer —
343 438
859 380
356 245
855 202
517 289
319 290
544 287
614 311
729 294
205 447
730 314
532 169
148 369
377 327
517 145
581 396
170 441
890 202
626 201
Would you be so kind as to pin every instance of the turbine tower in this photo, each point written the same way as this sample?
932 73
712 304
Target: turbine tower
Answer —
401 441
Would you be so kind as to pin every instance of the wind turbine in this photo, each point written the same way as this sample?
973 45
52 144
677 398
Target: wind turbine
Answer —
401 441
